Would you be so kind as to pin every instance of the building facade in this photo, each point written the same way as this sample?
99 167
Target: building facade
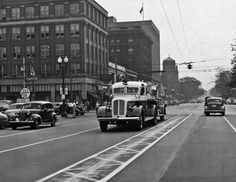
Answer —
35 33
136 45
131 47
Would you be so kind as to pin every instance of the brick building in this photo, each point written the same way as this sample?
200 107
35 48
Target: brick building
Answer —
35 33
136 46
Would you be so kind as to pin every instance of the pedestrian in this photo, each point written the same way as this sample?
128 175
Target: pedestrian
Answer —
97 106
87 105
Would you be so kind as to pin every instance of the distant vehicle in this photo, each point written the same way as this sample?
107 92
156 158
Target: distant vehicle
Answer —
33 114
72 108
56 106
214 105
131 104
13 110
3 120
4 105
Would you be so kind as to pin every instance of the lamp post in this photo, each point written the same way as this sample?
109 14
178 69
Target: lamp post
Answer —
62 63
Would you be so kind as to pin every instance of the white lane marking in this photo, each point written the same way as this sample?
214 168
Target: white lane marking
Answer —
230 124
46 141
124 164
22 133
140 153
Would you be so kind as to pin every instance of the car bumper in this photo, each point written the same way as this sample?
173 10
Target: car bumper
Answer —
126 120
214 110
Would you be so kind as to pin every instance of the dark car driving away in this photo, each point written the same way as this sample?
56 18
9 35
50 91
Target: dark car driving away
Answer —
34 114
214 105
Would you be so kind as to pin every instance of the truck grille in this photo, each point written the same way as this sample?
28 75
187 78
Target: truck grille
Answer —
118 107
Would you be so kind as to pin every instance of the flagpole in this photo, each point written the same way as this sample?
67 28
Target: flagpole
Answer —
143 10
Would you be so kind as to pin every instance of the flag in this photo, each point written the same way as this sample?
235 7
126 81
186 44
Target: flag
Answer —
32 72
141 10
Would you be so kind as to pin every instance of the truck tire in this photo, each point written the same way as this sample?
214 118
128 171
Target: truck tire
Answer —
103 126
140 123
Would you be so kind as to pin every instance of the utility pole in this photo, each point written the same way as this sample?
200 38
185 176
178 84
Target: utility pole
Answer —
23 70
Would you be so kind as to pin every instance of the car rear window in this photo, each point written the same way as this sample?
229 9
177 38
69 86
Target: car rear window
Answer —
213 100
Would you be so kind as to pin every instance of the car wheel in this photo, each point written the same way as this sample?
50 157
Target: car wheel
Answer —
103 126
140 123
13 127
154 120
207 113
2 126
162 118
36 124
53 123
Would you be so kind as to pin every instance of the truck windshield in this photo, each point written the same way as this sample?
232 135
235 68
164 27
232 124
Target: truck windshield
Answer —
132 90
119 90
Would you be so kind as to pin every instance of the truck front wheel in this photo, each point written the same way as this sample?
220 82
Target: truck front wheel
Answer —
103 126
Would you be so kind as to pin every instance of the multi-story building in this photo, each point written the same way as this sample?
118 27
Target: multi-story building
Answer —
130 47
170 76
136 46
35 33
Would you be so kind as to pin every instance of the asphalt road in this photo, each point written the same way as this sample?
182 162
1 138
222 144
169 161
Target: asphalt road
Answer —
187 146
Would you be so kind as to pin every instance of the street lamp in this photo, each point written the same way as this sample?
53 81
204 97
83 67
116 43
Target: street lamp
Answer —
62 63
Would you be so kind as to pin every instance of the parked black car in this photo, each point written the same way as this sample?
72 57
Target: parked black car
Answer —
33 114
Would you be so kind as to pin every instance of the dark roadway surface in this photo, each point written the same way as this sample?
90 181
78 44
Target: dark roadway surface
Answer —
200 149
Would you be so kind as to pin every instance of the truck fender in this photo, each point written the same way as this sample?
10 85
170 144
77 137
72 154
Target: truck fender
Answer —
104 111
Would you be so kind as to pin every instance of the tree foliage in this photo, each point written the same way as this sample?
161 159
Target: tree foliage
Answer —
222 83
190 88
233 63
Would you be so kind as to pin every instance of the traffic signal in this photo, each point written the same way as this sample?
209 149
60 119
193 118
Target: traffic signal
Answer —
189 66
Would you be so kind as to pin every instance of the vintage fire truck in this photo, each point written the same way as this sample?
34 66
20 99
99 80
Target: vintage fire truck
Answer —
133 103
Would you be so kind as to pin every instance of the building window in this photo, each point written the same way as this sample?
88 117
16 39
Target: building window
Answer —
44 50
3 14
44 32
44 11
74 9
60 50
30 51
16 52
75 68
2 34
16 33
45 70
2 71
15 70
130 40
3 53
118 41
117 51
74 30
130 51
29 12
15 13
30 32
59 31
59 10
75 49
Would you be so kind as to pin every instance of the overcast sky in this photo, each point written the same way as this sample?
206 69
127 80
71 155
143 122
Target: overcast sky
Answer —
210 28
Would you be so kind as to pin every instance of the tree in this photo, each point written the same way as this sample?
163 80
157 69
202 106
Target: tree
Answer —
190 88
222 83
233 63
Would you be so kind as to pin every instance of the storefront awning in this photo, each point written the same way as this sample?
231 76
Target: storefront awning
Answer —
93 94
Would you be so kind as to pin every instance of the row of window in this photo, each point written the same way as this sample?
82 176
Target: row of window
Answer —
44 51
44 32
117 51
117 41
29 12
47 70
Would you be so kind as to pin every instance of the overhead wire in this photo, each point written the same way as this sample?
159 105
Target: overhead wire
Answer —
171 29
185 36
